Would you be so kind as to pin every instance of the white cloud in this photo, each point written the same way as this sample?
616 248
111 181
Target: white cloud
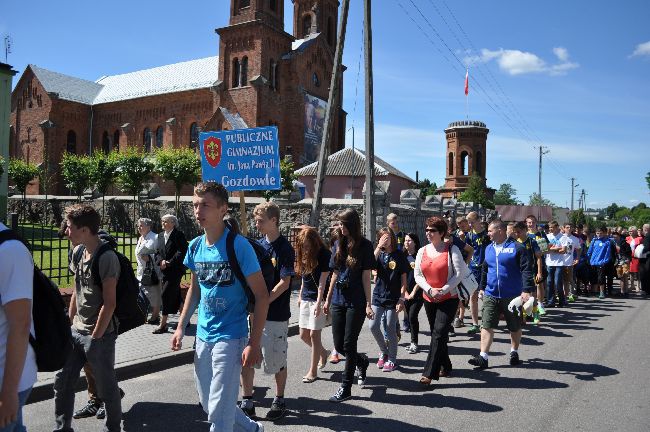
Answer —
634 201
642 49
516 62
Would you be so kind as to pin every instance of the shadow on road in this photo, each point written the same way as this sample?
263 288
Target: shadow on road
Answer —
582 371
161 416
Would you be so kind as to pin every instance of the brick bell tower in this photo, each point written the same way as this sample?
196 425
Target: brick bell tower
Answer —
316 16
465 156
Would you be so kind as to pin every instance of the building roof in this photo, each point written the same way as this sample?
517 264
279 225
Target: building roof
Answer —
177 77
349 162
515 213
300 45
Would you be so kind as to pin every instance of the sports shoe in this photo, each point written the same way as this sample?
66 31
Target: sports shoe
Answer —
389 366
363 369
88 410
248 407
458 323
334 358
382 360
478 362
536 317
474 329
412 349
541 309
571 298
278 409
514 358
452 331
601 296
342 394
101 412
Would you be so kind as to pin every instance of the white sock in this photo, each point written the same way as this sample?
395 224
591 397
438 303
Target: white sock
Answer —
512 350
484 355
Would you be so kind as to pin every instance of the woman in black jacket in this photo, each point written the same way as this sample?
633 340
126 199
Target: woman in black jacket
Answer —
171 249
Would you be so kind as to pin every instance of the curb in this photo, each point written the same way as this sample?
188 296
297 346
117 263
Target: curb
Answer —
45 389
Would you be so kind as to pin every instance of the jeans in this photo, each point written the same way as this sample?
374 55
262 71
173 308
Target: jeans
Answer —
440 316
388 346
18 426
347 323
413 308
553 284
100 354
217 367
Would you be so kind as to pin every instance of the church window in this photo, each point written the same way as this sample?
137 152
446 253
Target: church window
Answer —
464 162
306 25
71 142
451 164
106 142
159 137
194 135
146 140
273 74
116 140
243 73
235 72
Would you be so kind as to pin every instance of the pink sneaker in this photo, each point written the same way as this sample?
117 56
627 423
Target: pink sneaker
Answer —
389 366
382 360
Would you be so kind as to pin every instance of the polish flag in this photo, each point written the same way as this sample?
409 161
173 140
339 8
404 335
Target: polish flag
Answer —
467 82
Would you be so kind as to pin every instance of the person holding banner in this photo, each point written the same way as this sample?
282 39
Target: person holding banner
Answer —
223 344
349 300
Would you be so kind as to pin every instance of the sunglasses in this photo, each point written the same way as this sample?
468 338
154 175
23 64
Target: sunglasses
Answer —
431 230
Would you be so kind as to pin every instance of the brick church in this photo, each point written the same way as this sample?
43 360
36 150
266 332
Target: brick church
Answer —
262 76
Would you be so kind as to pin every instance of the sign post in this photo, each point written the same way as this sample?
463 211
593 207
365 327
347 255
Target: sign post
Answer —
242 160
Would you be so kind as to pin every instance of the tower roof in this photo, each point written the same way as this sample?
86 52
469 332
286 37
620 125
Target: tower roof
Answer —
466 124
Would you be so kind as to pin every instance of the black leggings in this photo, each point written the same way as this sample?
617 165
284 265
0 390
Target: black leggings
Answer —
347 323
440 316
413 308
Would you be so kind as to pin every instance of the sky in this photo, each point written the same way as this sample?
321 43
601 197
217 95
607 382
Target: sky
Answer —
572 77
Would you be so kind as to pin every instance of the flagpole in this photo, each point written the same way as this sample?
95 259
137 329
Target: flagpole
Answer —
467 94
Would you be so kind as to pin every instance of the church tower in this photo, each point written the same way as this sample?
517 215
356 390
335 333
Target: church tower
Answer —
316 16
465 156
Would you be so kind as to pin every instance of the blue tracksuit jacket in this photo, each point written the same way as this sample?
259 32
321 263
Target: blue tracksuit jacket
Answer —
508 274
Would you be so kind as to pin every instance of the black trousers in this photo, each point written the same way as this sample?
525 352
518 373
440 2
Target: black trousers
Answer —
644 275
171 294
413 308
347 323
440 316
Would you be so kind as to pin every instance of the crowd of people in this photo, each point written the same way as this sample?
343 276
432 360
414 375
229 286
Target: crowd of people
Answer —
517 269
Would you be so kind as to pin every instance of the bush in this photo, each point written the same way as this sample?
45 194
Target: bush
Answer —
181 166
133 171
22 173
2 166
77 173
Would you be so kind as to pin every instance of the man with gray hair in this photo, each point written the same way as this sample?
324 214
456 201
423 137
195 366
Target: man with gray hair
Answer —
506 273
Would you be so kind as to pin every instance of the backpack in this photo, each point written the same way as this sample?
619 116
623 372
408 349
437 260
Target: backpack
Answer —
52 340
263 257
132 305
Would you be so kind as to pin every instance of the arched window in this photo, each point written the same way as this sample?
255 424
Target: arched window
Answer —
273 5
330 31
451 164
106 142
306 25
71 142
478 163
244 3
464 162
235 72
116 140
273 77
194 136
146 139
243 73
159 137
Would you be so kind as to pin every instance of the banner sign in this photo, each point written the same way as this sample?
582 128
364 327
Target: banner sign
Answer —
242 159
314 123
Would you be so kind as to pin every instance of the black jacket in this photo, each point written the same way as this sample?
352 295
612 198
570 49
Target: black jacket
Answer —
173 252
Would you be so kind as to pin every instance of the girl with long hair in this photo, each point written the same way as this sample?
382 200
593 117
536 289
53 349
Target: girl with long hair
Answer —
388 296
312 264
348 299
413 297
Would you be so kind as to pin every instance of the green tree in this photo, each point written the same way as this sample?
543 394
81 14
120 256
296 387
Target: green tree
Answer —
22 173
133 171
506 195
577 217
2 165
103 171
475 192
426 188
77 173
647 179
536 200
181 166
287 175
610 211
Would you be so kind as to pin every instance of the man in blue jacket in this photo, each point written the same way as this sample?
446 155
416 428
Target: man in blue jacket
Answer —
600 257
506 274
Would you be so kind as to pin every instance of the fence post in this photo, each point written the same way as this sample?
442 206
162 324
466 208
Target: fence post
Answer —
13 221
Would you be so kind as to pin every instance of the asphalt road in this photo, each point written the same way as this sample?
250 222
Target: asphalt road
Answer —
585 368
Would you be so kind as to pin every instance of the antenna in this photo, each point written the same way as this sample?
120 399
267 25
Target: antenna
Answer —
8 42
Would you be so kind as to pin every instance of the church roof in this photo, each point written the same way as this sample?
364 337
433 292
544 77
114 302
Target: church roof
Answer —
300 45
349 162
177 77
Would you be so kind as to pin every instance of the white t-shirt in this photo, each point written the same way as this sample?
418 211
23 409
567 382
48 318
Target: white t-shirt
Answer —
555 259
569 256
16 282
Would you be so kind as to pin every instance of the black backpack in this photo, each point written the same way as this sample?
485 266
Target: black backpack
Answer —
132 305
52 342
263 257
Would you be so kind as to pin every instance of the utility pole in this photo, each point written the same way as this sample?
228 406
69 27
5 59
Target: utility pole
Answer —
573 187
333 101
370 125
542 152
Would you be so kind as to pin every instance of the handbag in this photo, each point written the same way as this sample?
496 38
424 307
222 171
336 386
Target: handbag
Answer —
468 283
639 252
149 275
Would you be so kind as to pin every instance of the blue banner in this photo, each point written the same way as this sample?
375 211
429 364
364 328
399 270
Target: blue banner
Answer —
243 159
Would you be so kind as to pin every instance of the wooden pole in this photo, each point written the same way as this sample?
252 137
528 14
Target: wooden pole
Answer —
243 216
370 127
333 99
